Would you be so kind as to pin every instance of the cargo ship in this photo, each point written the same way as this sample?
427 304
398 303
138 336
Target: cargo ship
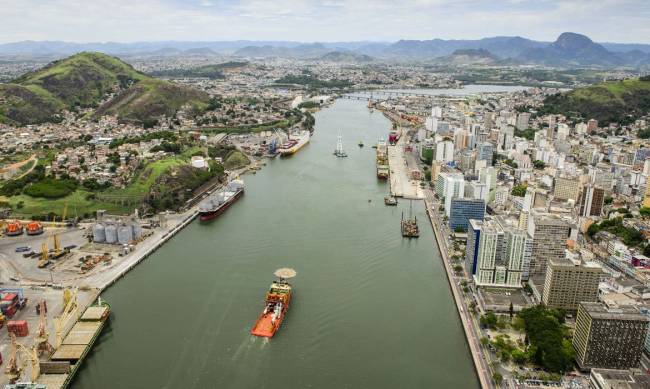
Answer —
59 370
275 305
382 160
294 143
218 202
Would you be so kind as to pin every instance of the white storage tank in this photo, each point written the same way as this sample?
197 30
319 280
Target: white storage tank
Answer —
124 234
137 230
99 233
111 233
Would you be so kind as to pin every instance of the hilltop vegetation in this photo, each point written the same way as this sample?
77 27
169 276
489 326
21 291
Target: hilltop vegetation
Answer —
613 101
206 71
152 98
85 80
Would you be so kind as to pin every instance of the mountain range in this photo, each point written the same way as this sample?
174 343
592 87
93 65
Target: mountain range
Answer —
570 49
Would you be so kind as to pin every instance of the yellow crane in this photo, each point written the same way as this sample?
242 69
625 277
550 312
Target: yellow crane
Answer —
13 370
42 336
70 310
44 261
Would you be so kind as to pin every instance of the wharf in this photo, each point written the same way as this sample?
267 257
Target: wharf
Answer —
401 185
481 366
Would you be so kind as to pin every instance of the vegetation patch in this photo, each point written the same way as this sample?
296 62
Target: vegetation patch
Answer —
51 188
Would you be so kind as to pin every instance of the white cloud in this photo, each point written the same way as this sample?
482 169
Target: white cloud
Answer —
312 20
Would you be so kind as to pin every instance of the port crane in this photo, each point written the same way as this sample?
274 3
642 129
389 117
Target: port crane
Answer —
44 261
42 337
13 370
70 310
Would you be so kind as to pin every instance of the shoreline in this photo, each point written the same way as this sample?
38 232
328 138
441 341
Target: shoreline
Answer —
482 373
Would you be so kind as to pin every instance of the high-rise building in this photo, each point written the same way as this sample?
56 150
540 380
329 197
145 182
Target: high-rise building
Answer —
462 210
569 282
566 188
609 337
485 151
500 257
592 201
646 196
444 151
450 186
522 120
471 248
550 235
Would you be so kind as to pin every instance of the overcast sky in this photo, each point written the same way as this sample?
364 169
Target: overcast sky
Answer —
325 20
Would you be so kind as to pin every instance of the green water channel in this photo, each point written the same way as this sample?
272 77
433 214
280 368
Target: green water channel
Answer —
370 309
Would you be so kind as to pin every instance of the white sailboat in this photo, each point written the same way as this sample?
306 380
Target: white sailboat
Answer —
339 152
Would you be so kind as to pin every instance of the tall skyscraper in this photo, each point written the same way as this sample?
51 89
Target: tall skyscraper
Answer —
609 337
592 201
550 235
448 187
569 282
501 256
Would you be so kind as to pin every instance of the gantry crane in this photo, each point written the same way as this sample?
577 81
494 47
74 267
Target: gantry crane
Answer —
42 337
69 311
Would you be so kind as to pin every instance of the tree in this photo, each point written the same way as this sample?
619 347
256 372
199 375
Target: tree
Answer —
497 377
511 310
484 341
539 164
519 190
518 357
489 320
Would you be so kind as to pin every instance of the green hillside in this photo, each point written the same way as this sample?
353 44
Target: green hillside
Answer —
84 80
152 98
613 101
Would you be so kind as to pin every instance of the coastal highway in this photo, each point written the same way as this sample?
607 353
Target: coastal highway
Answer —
469 325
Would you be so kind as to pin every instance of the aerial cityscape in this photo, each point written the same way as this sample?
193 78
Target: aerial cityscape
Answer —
341 194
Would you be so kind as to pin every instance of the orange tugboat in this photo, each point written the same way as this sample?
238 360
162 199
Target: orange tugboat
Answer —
277 302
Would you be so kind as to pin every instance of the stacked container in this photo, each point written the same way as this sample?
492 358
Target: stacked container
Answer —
8 304
18 327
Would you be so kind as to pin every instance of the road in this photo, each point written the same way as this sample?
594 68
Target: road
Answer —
469 324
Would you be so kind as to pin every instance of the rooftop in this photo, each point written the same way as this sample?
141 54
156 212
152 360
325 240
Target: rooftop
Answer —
614 312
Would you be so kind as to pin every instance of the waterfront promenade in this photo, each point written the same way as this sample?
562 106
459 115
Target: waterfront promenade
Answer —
482 368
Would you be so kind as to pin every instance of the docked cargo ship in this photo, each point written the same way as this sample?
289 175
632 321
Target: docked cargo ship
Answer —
294 143
60 369
275 306
382 160
218 202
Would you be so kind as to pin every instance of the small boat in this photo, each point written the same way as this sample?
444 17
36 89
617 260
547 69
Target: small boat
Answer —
360 143
390 200
276 304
